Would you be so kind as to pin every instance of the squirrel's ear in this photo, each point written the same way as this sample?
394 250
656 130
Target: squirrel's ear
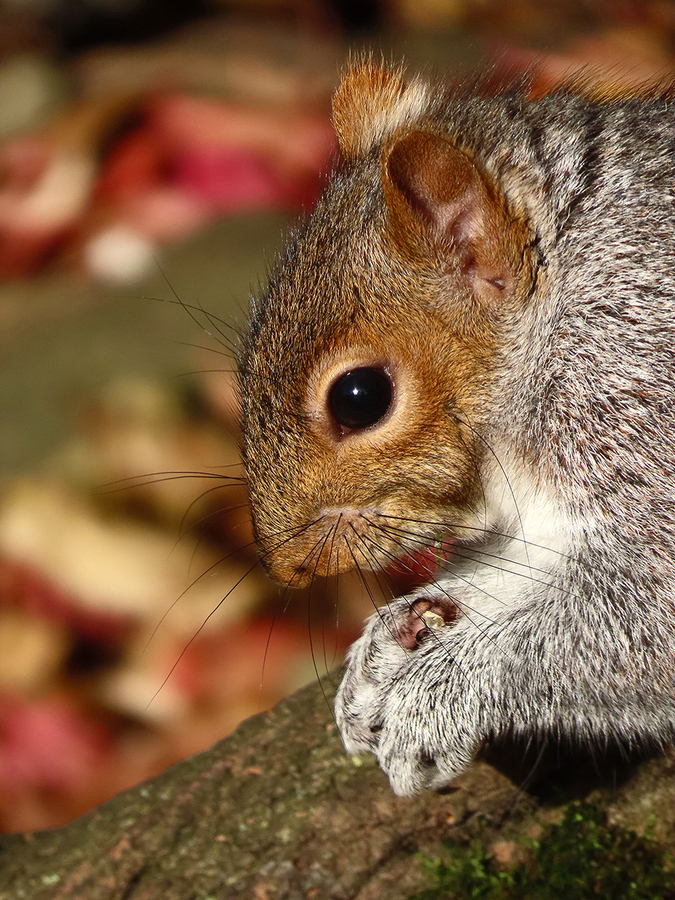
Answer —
441 206
371 103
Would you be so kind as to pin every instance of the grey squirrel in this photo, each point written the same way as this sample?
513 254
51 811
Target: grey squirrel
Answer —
470 345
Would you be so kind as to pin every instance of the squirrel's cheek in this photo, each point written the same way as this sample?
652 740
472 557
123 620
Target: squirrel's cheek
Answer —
359 503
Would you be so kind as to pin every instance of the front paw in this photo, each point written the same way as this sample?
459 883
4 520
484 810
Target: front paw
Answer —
372 662
402 698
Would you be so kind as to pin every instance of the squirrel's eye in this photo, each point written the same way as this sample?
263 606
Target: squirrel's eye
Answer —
360 398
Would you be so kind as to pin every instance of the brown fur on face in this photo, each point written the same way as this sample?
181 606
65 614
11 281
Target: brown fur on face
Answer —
412 264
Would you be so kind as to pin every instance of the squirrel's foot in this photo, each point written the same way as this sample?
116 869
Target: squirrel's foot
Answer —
405 698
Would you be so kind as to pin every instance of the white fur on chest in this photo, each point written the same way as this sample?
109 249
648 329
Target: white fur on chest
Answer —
526 536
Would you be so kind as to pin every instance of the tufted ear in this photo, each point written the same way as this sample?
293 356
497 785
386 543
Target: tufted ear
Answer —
371 103
442 207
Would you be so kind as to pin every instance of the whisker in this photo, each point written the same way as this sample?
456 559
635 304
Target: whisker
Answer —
436 586
201 497
309 611
190 309
297 531
462 606
287 586
131 481
227 341
368 590
437 637
201 627
447 567
334 532
216 607
201 537
479 436
177 301
205 372
469 555
224 340
200 346
211 515
479 475
377 568
438 523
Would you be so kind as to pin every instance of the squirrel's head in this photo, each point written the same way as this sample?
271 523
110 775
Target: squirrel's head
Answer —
369 365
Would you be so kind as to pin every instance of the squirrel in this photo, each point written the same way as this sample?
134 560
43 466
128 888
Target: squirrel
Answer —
469 345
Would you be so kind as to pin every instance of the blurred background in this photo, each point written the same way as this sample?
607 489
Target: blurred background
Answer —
152 152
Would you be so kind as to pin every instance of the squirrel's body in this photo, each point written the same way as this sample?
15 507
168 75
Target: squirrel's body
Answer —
506 269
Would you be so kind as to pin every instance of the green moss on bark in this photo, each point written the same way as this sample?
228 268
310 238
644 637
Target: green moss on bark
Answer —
581 858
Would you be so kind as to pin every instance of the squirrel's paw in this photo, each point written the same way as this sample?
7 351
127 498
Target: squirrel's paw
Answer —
404 698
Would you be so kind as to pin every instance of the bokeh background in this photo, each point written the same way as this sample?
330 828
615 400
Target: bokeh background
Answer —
152 152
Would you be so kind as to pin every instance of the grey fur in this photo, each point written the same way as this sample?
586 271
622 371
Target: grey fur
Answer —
580 642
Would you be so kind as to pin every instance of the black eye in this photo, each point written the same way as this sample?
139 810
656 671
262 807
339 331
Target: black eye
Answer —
360 398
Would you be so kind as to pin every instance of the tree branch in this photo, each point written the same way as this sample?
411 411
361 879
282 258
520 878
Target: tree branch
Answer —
277 810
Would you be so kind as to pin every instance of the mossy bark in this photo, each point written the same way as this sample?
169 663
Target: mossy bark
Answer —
277 810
